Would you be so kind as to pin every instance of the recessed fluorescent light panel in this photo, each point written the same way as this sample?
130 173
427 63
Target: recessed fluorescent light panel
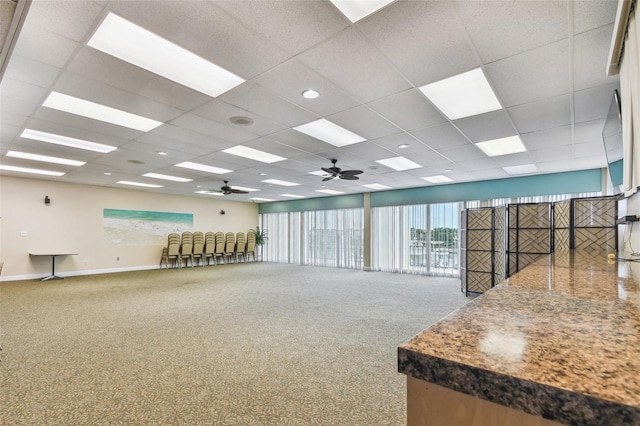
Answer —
203 168
262 199
99 112
166 177
66 141
503 146
355 10
376 186
462 95
145 185
28 170
399 163
329 132
523 169
253 154
44 158
280 182
210 193
127 41
437 179
329 191
292 196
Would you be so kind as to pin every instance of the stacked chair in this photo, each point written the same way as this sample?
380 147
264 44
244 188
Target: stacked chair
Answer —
198 248
251 246
241 245
186 248
209 247
219 253
229 246
172 251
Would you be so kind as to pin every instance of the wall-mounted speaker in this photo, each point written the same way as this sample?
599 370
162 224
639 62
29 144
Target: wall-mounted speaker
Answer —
47 200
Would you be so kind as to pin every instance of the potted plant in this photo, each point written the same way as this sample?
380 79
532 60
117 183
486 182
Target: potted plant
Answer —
262 236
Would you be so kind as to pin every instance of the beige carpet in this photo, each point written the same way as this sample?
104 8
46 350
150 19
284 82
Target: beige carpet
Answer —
247 344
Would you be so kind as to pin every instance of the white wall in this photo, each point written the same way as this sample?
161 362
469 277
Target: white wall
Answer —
73 223
633 208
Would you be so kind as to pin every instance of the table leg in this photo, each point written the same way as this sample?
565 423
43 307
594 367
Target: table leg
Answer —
53 275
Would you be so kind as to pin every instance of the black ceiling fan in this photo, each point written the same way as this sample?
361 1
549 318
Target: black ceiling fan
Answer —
337 172
227 190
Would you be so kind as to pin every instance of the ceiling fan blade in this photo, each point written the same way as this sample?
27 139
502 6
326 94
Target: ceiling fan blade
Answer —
351 172
329 178
348 177
331 170
237 191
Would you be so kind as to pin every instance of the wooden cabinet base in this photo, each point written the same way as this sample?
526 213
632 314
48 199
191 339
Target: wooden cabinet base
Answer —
433 405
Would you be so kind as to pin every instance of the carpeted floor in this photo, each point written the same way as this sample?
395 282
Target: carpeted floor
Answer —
248 344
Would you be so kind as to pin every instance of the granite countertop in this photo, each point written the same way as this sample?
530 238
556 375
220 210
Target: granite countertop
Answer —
560 339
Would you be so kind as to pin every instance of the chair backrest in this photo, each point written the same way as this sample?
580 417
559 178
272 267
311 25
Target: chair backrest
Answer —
198 236
198 248
219 247
173 249
240 246
210 247
209 236
186 248
251 246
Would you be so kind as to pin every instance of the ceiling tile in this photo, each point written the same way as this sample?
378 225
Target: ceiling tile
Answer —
588 65
533 75
256 99
591 14
31 71
365 122
484 127
295 29
462 153
56 51
301 141
588 131
289 79
591 104
545 114
441 136
409 110
438 46
522 26
105 94
548 139
229 133
347 58
222 112
68 18
392 143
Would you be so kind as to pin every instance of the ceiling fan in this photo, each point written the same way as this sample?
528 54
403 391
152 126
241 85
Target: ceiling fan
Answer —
227 190
337 172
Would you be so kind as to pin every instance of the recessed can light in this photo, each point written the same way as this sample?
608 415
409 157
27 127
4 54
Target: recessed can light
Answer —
241 120
310 94
162 153
403 145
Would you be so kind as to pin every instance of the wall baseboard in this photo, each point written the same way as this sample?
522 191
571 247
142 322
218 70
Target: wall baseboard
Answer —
79 273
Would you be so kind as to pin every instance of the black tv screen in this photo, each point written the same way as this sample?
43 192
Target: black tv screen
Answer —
612 138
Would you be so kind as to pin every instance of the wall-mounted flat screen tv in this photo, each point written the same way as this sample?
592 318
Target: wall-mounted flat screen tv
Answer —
612 138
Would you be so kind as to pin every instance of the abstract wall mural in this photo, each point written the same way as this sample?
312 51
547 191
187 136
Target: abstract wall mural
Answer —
138 227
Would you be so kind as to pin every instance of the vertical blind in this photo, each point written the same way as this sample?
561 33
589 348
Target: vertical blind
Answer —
321 238
419 239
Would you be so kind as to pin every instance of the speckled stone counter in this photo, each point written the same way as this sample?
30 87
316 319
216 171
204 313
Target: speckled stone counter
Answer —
560 340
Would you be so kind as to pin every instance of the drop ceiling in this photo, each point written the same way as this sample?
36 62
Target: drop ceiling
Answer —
544 60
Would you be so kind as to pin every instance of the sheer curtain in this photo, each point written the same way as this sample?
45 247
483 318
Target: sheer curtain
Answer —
630 99
333 238
418 239
321 238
